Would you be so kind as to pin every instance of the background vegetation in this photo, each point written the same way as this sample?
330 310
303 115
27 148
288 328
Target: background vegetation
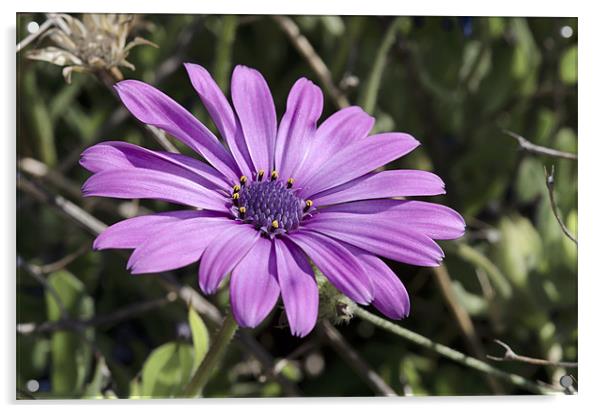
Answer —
454 83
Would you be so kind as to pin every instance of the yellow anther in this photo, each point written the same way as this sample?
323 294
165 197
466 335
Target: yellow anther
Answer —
235 198
308 204
260 174
275 224
243 180
242 211
289 183
274 175
236 188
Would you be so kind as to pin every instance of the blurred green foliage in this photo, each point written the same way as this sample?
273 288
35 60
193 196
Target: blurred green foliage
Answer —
453 83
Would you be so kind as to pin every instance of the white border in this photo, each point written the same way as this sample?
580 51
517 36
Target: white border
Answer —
590 151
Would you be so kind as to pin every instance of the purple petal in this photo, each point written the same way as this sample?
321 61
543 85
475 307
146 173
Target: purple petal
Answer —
333 135
434 220
253 286
384 184
255 108
298 287
297 127
338 265
155 108
357 159
176 245
222 114
379 236
390 296
132 232
122 155
147 183
224 253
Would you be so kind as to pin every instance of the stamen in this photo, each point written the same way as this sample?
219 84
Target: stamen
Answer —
269 206
289 183
274 175
243 180
308 204
260 174
236 188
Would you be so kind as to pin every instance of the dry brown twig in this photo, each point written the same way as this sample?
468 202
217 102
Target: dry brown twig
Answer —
540 150
462 319
510 355
304 47
348 353
117 316
550 186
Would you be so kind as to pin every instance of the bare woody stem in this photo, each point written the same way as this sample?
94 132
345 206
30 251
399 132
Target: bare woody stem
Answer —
452 354
304 47
213 357
540 150
510 355
362 368
550 186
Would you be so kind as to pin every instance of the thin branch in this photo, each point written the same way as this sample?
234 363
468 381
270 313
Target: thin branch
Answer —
304 47
347 352
298 352
462 319
39 276
118 316
88 222
33 36
510 355
63 262
452 354
550 186
40 171
540 150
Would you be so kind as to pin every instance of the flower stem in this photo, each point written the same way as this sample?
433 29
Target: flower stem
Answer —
216 352
451 354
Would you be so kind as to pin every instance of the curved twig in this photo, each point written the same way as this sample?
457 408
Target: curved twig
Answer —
305 48
452 354
358 364
510 355
550 186
540 150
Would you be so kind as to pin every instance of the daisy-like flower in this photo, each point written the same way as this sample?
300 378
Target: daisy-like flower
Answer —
271 198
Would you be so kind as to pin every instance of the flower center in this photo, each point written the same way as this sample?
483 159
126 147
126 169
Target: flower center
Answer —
270 205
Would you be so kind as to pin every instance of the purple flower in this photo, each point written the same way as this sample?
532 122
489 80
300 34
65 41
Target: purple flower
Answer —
270 197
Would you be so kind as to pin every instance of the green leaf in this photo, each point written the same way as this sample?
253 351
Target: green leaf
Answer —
70 353
167 370
478 259
99 380
200 336
369 93
519 250
568 66
473 303
40 121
